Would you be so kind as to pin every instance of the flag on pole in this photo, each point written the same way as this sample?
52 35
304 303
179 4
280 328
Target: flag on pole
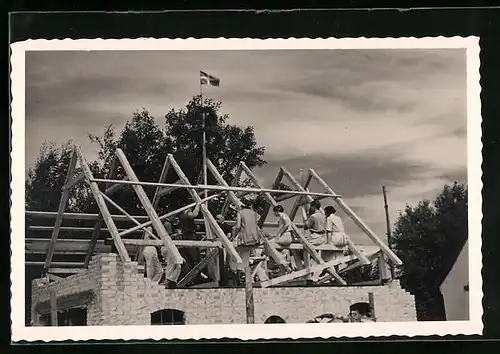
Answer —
206 79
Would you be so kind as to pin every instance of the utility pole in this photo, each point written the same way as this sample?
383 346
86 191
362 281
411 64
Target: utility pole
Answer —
388 226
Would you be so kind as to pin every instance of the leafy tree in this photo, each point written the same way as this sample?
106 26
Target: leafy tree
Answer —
428 239
146 146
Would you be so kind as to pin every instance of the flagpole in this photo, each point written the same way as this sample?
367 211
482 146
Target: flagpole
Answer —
204 142
208 233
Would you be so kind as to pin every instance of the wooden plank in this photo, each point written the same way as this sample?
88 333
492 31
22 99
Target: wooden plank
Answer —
103 208
60 211
172 251
305 271
206 213
69 229
357 220
56 264
53 308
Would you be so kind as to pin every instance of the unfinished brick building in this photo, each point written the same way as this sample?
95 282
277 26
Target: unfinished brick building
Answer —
110 288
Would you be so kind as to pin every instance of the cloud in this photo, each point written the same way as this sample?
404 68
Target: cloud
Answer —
360 118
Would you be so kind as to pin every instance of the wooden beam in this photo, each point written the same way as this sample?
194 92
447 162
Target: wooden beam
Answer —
114 188
210 187
75 180
53 308
79 246
304 272
234 183
371 301
123 218
54 277
98 225
93 241
277 256
120 209
172 251
104 211
60 211
206 213
163 177
357 220
269 204
283 197
56 264
142 226
352 247
309 247
249 304
66 270
69 228
300 201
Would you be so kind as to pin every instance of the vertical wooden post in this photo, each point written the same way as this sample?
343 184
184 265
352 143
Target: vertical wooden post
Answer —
249 293
53 308
371 301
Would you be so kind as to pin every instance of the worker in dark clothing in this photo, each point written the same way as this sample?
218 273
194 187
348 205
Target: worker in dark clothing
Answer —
188 228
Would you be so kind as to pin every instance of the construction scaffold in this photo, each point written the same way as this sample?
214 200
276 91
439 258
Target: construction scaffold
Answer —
155 234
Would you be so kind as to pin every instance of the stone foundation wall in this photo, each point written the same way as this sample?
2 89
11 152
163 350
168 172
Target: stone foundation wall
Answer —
122 296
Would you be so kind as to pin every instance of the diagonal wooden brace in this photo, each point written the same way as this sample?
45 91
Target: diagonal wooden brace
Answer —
207 214
172 251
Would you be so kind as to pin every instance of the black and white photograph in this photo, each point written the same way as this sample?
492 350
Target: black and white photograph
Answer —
320 185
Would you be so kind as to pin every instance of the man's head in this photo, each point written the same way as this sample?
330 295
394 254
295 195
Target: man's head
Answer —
329 210
247 203
316 204
278 209
219 218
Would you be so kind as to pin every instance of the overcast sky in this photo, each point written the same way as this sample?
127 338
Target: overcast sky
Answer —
360 118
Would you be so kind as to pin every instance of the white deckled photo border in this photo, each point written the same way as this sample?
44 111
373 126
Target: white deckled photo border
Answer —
20 332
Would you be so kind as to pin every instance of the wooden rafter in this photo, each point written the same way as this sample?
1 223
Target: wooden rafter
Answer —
267 208
357 220
60 211
103 208
308 246
277 256
236 179
206 213
98 225
172 251
309 199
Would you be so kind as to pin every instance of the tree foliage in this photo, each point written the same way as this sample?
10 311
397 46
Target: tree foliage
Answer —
146 144
428 238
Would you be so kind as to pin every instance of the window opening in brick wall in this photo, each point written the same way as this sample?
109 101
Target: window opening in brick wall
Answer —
168 317
72 317
363 308
275 319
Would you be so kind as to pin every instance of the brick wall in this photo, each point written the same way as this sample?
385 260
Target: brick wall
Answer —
122 296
